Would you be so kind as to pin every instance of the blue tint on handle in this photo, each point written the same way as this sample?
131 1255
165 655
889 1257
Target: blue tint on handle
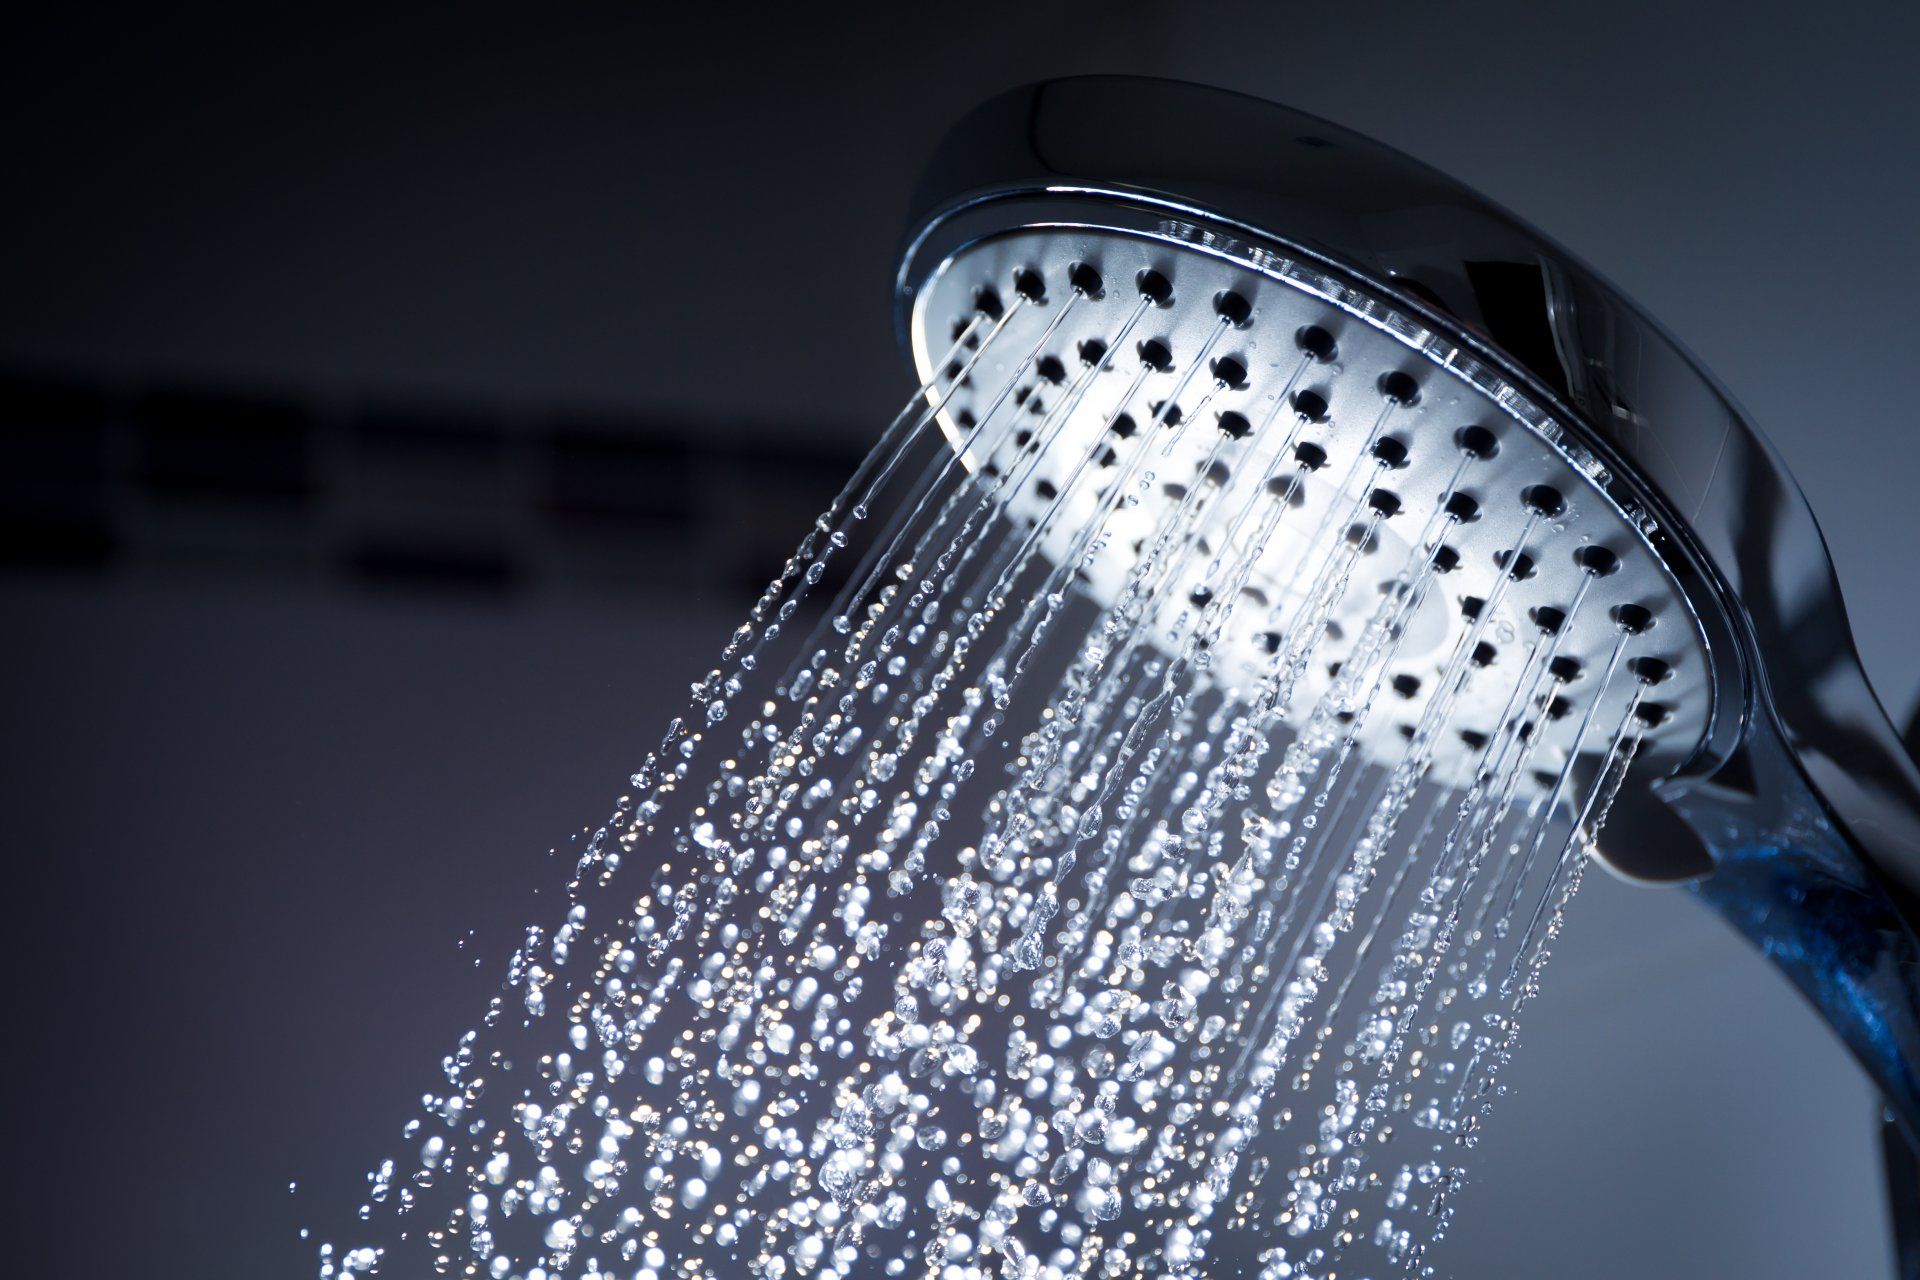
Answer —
1793 884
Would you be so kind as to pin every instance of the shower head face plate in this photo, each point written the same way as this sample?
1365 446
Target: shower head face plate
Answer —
1303 365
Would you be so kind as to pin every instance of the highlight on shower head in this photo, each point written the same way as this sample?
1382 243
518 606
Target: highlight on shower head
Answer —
1395 352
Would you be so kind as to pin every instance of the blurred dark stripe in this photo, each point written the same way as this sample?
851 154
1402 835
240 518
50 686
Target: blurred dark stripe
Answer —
396 496
193 445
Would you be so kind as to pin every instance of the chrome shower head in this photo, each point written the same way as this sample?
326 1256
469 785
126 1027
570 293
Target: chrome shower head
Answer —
1360 410
1401 352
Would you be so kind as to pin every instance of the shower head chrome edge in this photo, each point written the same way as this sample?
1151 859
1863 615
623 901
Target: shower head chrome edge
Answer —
1798 815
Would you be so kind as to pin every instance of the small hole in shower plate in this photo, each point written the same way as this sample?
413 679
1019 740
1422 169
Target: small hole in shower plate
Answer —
1230 372
1316 342
1390 452
1634 619
1518 567
1233 308
1154 287
1596 560
1477 442
1400 388
1544 500
1650 670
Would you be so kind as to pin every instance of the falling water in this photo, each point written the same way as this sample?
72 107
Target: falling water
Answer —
993 931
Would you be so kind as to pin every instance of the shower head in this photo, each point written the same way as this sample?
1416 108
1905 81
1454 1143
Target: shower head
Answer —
1386 343
1364 410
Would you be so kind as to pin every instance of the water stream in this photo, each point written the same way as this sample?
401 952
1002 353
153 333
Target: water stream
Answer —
967 927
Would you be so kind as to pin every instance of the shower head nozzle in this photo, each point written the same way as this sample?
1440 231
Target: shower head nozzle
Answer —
1515 453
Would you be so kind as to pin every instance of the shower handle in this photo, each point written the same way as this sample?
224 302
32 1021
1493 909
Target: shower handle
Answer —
1792 876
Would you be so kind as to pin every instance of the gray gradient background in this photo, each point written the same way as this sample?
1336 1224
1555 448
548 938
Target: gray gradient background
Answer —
249 819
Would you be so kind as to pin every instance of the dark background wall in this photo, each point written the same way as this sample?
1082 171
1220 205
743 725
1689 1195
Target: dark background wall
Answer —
396 408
